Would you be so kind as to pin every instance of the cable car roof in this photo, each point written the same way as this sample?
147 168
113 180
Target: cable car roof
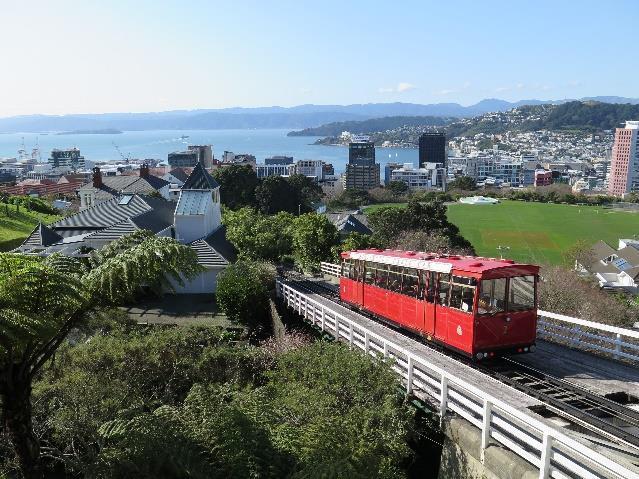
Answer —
434 262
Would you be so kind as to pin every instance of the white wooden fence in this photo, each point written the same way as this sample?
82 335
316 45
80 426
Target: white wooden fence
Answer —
553 452
620 343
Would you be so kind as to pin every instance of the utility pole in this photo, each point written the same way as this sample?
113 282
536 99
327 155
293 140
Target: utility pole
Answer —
501 250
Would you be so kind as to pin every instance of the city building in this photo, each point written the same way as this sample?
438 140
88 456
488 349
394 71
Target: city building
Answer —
311 168
432 148
193 155
183 159
264 171
543 178
241 159
205 154
362 172
194 220
432 176
624 166
67 160
388 169
279 160
361 151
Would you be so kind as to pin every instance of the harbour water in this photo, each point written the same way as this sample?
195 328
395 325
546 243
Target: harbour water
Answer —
158 143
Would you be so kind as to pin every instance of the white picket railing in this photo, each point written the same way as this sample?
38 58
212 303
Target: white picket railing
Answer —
620 343
553 452
330 269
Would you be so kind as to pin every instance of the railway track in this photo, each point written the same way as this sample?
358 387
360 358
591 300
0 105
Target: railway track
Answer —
608 418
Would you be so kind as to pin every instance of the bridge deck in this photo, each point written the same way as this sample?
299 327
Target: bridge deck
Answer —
599 375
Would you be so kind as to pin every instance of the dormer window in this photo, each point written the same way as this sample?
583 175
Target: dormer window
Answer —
125 199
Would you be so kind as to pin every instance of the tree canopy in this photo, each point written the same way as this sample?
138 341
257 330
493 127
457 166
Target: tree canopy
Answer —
237 185
313 238
43 299
389 222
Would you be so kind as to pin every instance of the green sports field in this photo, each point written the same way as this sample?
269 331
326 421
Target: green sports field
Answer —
539 232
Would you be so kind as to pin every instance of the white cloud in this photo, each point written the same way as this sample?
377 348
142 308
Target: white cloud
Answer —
574 83
305 90
403 86
502 89
519 86
445 92
466 85
400 88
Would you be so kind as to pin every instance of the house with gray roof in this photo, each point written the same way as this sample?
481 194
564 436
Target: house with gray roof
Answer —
104 188
347 223
194 220
615 269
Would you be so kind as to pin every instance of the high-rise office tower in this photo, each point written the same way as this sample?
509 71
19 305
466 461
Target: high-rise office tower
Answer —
432 148
362 172
624 165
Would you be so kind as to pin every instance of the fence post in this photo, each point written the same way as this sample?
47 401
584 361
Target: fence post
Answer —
350 335
617 346
366 342
544 463
385 350
409 376
485 430
323 318
443 402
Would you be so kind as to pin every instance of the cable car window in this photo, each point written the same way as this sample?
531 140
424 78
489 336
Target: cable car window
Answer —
369 276
522 293
395 279
462 297
410 282
430 281
381 276
464 280
492 296
443 287
347 269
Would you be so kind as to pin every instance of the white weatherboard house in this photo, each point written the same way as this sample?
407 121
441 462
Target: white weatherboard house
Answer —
194 220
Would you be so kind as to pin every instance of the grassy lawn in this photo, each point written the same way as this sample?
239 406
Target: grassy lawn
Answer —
371 208
17 226
539 232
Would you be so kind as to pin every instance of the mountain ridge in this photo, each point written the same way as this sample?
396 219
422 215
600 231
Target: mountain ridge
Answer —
296 117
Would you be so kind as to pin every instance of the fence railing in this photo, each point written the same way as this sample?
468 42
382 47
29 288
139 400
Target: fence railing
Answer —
330 269
619 343
553 452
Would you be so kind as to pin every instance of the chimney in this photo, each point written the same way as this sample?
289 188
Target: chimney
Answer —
97 177
144 170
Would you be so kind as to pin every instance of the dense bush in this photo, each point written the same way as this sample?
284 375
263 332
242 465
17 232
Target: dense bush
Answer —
177 403
242 293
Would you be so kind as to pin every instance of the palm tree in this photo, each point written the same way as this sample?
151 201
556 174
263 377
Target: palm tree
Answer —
43 299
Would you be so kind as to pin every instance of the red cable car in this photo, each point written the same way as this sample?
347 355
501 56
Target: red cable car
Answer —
481 307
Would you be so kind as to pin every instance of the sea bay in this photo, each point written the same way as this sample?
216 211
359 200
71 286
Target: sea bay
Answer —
158 143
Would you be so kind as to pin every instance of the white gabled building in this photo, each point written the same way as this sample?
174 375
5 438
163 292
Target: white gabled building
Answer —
194 220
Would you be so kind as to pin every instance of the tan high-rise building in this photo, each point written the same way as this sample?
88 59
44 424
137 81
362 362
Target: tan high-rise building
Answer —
624 165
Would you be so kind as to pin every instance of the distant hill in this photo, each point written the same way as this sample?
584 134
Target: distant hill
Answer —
372 125
297 117
574 115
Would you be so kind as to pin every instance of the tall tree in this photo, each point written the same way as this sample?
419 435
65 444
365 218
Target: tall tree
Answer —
258 236
307 191
275 194
42 300
313 238
237 185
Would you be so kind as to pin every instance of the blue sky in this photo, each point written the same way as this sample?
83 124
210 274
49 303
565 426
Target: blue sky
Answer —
105 56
